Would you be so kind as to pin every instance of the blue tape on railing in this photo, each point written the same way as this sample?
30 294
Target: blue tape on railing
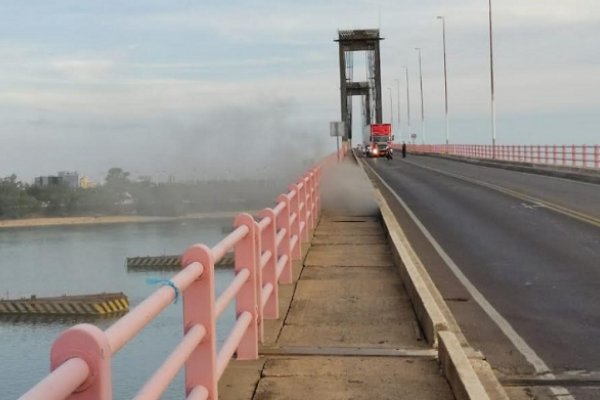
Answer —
164 282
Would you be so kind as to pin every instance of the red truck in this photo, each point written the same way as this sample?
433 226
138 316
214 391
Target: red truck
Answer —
380 141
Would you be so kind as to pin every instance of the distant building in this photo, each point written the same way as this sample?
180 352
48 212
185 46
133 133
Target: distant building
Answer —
44 181
86 183
67 178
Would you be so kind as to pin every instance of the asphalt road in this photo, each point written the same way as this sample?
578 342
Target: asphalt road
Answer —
530 244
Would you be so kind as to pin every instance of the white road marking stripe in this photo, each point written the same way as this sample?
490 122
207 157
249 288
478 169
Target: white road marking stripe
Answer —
534 200
523 172
530 355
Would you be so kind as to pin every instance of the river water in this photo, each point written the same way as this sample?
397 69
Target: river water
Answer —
52 261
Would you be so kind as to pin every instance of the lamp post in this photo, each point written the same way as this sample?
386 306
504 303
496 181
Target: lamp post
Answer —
407 102
492 84
391 108
422 104
445 78
398 101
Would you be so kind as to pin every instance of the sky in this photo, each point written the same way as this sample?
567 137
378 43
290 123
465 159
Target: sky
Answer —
246 89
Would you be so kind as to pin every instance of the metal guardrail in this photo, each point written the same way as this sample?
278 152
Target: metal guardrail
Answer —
584 156
81 357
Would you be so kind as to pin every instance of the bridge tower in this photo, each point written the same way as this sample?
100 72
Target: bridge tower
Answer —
349 42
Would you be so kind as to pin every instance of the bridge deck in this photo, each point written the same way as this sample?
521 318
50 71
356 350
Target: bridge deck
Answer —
347 329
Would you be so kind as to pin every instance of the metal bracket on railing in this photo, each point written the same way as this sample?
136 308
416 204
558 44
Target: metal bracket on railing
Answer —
89 343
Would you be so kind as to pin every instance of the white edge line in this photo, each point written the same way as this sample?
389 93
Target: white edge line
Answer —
530 355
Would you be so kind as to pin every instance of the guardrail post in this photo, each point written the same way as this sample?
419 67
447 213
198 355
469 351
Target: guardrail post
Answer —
271 310
313 197
317 193
283 222
573 156
596 156
301 194
199 309
295 226
310 219
247 298
89 343
258 280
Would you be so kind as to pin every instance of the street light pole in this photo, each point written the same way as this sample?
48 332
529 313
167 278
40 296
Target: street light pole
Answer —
445 78
492 84
407 101
422 103
398 101
391 108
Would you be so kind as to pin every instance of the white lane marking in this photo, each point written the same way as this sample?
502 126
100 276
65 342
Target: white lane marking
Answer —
520 344
544 203
524 173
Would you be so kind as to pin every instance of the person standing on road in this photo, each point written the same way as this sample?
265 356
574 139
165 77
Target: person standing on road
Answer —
403 149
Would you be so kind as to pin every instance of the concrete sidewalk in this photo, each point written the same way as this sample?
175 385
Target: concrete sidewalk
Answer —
347 328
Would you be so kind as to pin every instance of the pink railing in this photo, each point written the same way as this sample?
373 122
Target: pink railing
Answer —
584 156
80 359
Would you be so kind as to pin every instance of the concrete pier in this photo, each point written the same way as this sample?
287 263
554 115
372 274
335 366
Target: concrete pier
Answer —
93 304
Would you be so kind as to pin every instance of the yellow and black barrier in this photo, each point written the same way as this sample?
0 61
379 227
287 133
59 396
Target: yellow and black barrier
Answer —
169 262
94 304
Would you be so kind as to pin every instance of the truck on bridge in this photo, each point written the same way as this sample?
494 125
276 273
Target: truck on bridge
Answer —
378 140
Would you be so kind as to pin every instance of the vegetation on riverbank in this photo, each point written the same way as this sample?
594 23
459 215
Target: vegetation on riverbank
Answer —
119 195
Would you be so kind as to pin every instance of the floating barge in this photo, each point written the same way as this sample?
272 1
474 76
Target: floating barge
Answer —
102 304
169 262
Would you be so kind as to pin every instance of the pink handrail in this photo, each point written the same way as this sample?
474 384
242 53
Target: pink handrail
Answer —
583 156
81 357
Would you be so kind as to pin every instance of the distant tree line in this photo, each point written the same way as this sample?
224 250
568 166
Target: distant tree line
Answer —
120 195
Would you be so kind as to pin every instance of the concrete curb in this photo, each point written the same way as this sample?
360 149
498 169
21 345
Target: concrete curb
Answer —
428 313
458 369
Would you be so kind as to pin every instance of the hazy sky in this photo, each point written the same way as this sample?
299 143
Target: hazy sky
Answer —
236 88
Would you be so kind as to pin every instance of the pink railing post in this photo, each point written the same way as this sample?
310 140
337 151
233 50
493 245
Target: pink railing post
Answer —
573 156
554 159
308 202
313 197
271 309
596 156
89 343
301 187
283 222
301 212
317 193
247 298
295 223
199 309
546 154
258 281
564 155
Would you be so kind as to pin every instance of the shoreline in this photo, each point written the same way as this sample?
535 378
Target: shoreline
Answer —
108 219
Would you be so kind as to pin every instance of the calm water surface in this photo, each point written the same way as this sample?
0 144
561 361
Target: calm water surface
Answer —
53 261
